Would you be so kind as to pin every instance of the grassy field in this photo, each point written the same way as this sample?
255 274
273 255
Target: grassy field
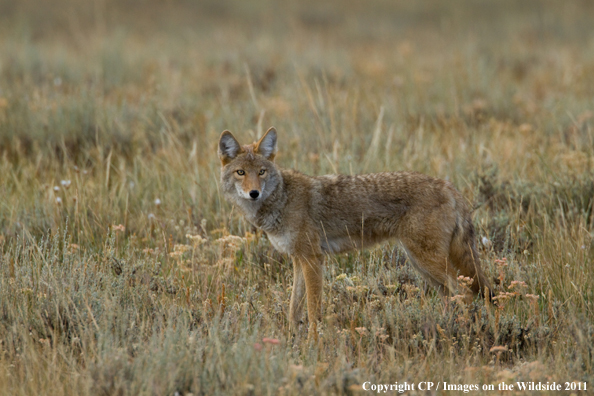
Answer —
124 272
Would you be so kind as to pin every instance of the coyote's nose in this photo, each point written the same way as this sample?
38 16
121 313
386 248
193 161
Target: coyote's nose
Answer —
254 194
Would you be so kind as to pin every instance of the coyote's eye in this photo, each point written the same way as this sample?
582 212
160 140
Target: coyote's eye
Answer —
241 172
262 172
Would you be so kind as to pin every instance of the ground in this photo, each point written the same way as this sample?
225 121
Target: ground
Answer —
124 272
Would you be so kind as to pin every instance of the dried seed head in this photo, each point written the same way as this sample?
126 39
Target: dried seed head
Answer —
532 297
362 330
517 284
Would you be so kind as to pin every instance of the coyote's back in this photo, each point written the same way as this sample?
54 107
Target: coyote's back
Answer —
427 215
306 216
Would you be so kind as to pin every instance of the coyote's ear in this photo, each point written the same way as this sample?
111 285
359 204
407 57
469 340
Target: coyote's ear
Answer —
266 146
228 147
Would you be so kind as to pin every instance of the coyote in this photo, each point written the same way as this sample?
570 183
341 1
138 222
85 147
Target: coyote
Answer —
306 217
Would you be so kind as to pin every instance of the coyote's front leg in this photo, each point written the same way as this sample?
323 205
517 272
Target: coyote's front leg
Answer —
312 267
297 296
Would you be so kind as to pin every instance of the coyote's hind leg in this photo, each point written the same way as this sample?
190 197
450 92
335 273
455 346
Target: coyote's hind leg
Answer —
432 262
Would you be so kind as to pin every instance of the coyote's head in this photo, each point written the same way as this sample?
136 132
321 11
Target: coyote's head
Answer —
248 172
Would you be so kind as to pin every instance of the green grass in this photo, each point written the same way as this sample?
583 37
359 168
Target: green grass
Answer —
126 101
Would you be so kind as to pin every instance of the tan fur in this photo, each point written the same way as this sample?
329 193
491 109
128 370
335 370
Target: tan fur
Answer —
307 216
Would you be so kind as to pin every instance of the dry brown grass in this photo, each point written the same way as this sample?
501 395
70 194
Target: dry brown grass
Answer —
135 277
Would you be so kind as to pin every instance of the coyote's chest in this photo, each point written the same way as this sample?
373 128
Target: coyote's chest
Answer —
283 242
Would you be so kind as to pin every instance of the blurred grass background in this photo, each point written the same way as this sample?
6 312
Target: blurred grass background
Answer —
120 269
